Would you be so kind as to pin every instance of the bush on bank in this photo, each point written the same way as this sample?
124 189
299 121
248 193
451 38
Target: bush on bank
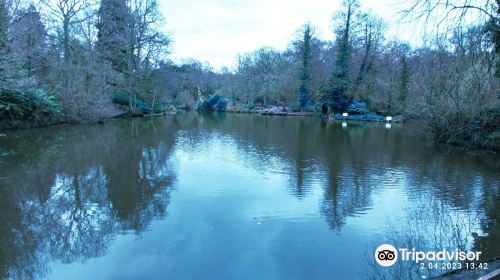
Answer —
28 107
481 131
215 103
122 100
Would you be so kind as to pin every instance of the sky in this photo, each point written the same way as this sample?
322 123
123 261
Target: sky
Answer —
216 31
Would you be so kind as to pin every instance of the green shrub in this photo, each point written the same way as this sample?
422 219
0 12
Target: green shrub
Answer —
259 99
295 107
28 105
215 103
251 106
143 107
357 107
120 98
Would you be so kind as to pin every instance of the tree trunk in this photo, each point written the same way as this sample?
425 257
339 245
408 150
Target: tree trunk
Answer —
66 55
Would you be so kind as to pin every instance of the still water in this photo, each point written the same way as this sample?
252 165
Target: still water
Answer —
236 197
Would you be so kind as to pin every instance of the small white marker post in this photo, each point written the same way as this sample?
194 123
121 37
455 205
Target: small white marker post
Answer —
344 125
388 125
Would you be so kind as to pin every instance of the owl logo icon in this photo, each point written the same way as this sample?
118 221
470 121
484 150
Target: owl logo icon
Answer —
386 255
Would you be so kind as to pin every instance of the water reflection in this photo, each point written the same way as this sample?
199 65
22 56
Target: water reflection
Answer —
431 226
68 192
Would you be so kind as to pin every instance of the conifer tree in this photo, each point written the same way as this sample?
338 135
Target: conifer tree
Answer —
305 72
405 81
113 36
338 82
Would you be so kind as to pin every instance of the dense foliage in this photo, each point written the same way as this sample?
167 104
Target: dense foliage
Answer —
82 51
305 72
214 103
27 106
335 91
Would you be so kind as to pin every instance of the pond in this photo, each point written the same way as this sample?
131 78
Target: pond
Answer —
236 197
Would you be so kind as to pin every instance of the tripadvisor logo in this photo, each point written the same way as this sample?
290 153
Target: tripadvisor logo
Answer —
387 255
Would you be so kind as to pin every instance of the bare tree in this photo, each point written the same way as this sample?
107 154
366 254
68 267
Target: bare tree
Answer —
453 14
28 38
372 29
67 13
147 45
452 11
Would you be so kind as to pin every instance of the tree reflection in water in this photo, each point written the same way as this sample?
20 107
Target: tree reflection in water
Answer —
19 242
75 192
431 226
66 192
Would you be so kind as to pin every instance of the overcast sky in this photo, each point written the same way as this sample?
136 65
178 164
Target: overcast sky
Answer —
217 31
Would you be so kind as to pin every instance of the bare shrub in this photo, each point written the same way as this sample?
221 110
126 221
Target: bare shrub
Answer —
88 96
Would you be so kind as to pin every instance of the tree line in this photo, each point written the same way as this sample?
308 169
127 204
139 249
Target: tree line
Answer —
72 59
451 82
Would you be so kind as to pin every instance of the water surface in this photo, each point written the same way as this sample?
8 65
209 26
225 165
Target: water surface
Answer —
236 197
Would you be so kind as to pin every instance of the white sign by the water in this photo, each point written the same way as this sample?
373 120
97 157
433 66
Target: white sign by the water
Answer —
345 114
389 118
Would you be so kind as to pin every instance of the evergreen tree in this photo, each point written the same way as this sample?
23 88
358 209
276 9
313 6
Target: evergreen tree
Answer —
113 36
405 81
305 72
338 83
